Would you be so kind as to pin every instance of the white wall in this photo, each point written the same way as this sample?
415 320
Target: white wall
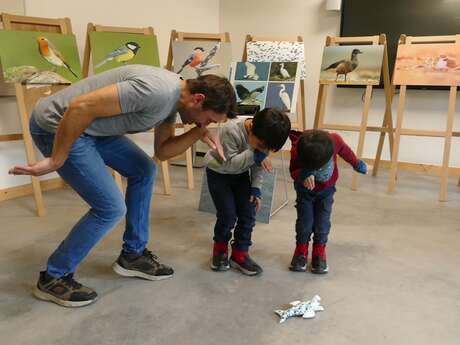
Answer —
425 109
308 18
163 16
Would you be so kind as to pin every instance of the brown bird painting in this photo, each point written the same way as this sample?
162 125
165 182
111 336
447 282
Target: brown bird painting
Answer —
343 67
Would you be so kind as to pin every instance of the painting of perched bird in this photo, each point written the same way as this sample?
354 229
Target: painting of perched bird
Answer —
200 61
51 54
122 54
249 97
343 67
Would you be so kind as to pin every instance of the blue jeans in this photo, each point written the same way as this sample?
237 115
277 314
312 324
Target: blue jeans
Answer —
314 210
231 194
85 170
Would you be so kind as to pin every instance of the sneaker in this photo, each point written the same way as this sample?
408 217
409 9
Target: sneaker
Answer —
318 261
319 265
298 263
219 261
299 259
64 291
145 266
247 266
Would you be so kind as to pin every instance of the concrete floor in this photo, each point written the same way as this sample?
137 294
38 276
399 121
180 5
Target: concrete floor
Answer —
394 276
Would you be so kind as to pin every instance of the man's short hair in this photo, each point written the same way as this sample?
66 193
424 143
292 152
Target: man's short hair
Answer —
272 127
315 148
219 93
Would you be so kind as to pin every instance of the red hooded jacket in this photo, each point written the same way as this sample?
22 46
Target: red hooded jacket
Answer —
340 148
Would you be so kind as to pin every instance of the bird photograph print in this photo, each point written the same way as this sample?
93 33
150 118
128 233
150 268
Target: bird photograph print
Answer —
251 93
252 71
280 95
115 49
283 71
267 84
195 58
352 65
427 64
273 51
39 58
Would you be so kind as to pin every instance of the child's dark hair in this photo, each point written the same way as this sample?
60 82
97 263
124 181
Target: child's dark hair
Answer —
315 148
219 93
272 127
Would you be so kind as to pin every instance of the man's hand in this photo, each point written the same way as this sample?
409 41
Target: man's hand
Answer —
267 165
213 142
309 182
40 168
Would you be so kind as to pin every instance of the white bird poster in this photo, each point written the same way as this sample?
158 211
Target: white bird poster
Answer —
267 84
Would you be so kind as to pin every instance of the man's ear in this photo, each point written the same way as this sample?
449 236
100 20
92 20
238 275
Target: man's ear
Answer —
198 98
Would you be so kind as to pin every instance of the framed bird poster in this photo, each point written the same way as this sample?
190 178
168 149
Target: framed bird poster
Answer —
352 65
195 58
267 84
427 64
116 49
39 57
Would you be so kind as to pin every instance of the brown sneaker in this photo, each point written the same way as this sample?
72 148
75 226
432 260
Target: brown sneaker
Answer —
146 266
64 291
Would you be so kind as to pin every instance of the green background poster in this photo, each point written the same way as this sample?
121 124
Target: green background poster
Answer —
103 43
21 58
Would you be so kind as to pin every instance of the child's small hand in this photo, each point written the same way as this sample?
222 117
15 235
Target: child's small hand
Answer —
267 165
309 182
361 167
259 157
256 198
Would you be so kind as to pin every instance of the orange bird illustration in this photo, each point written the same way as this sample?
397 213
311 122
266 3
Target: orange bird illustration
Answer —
193 59
51 54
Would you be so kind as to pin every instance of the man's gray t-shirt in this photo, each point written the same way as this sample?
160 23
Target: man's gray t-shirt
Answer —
148 96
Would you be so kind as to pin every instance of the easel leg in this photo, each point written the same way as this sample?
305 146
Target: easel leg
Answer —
29 148
397 138
388 126
320 105
447 144
118 180
166 177
189 163
362 133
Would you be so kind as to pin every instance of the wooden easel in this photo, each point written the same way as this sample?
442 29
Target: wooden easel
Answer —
190 36
443 171
300 112
86 61
387 126
26 99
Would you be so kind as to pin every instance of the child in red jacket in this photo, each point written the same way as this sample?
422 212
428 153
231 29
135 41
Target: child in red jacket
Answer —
314 169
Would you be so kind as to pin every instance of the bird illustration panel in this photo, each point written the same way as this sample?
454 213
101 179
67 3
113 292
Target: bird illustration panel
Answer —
256 71
352 65
115 49
277 51
427 64
39 57
195 58
278 90
281 96
283 71
251 93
